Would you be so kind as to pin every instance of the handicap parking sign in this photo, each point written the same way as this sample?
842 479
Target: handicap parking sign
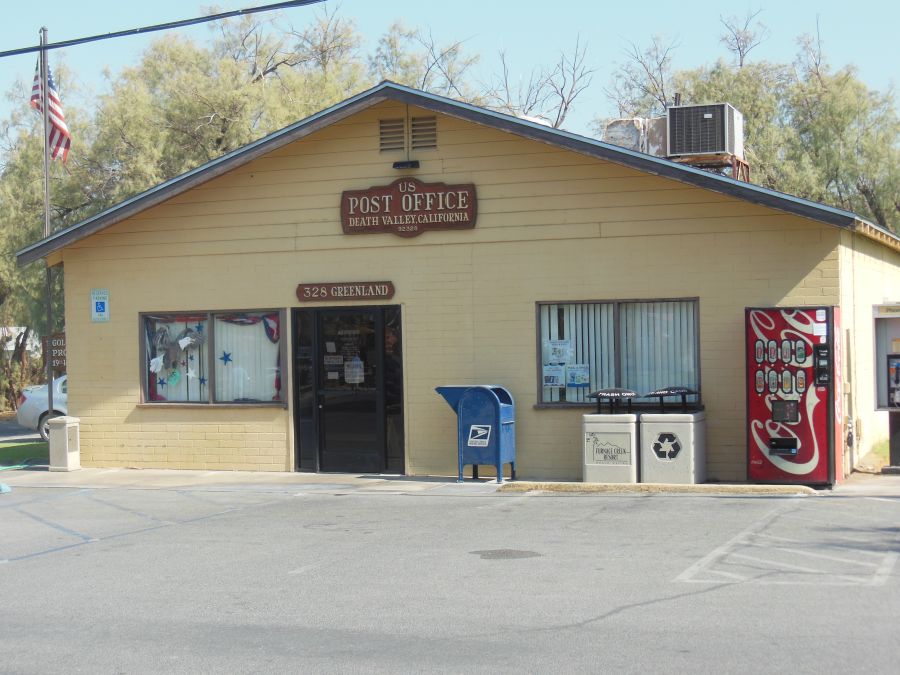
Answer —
99 304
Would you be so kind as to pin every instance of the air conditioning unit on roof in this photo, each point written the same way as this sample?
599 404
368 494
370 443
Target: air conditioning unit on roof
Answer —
714 129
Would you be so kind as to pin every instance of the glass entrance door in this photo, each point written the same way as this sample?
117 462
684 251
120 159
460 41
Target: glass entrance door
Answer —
350 391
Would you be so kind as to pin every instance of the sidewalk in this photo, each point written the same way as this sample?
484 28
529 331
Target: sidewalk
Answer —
858 484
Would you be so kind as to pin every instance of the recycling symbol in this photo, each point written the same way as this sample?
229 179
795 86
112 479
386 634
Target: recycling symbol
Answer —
667 446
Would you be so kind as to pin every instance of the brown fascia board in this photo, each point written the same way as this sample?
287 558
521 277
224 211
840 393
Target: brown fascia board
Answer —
392 91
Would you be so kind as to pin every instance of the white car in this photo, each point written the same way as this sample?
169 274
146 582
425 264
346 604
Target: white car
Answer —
32 411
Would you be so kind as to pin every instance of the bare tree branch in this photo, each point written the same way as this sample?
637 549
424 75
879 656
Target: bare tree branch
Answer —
642 84
740 37
547 95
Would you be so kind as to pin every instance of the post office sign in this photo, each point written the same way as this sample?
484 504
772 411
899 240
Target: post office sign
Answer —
407 207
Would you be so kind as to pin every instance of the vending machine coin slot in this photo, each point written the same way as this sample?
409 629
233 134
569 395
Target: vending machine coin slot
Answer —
821 365
785 447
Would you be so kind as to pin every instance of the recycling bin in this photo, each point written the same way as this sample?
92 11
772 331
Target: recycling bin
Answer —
611 440
673 447
486 426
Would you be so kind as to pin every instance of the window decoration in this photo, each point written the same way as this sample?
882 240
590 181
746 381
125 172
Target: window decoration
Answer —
636 345
210 357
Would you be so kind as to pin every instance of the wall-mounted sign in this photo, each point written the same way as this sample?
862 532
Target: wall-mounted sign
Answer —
408 207
55 348
345 290
99 304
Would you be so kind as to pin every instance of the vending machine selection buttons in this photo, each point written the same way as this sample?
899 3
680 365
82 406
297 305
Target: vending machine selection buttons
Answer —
801 381
787 382
786 351
760 351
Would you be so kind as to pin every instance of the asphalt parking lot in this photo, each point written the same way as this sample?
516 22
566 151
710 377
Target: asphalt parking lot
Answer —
117 572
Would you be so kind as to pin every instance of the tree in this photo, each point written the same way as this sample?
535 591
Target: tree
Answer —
412 57
548 94
642 85
740 37
182 105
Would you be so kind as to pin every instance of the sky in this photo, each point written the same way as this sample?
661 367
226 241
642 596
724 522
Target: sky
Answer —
533 34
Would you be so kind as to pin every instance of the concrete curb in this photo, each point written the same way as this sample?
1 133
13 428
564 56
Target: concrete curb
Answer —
658 488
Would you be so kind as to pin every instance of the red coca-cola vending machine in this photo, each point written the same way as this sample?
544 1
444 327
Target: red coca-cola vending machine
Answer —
794 395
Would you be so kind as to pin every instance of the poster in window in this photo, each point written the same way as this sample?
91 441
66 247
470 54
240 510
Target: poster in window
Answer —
578 375
354 372
554 376
557 351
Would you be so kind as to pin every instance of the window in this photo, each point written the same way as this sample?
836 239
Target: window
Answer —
213 357
636 345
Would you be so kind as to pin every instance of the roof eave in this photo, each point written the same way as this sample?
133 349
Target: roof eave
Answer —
206 172
392 91
877 233
658 166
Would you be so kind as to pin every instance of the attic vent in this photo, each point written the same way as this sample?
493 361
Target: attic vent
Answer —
424 132
392 135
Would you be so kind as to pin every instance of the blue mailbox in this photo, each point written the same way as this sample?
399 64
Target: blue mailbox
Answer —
486 426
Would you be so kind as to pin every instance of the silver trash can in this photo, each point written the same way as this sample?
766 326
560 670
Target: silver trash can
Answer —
673 448
610 448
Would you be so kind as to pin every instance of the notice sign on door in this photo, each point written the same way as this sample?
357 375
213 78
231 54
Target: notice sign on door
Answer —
99 304
479 435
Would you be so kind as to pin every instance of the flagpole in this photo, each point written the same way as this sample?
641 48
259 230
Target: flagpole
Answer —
45 107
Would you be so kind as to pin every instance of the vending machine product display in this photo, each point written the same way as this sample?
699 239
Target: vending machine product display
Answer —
794 395
893 380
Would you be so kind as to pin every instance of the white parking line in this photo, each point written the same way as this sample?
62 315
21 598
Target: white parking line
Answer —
822 556
757 557
884 571
793 568
724 549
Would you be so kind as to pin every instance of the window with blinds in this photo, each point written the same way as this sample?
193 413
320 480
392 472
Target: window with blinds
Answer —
636 345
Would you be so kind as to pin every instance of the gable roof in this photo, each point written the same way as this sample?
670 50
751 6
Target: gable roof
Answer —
390 91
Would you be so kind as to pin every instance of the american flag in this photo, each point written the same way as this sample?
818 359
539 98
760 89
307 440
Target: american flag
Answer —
59 140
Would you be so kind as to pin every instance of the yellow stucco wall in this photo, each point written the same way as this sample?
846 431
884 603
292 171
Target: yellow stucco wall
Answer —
552 225
871 277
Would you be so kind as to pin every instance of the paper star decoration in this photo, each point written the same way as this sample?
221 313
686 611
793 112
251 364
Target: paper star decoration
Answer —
161 382
202 381
225 358
199 327
191 374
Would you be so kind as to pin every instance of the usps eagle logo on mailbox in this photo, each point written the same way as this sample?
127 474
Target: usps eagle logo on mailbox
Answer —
479 435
